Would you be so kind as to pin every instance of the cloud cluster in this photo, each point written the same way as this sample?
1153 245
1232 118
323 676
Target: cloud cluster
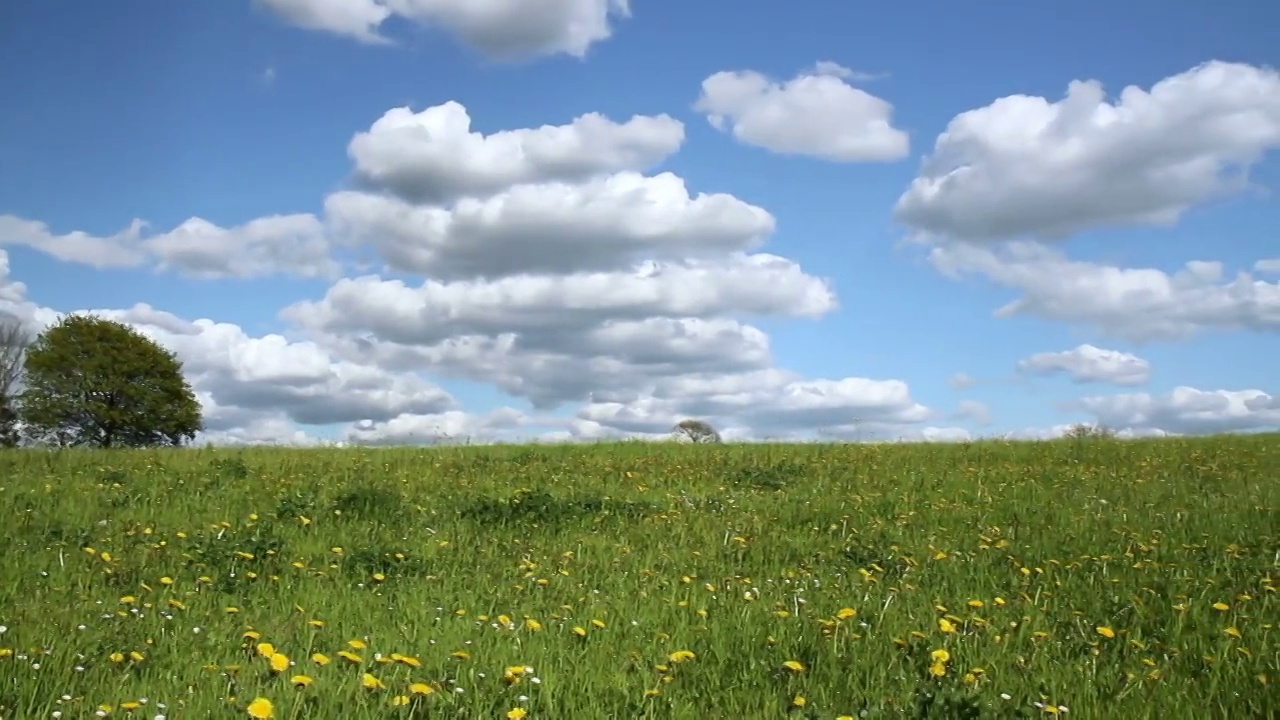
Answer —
556 270
562 273
498 28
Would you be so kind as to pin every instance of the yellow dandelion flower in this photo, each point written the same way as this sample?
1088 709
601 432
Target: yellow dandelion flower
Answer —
350 656
400 700
799 701
301 681
940 655
845 613
946 625
369 682
419 688
1105 631
261 709
516 713
579 631
680 656
794 666
279 662
320 659
266 649
1221 607
938 669
356 644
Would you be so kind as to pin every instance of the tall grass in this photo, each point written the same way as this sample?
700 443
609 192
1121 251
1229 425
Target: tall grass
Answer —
1097 578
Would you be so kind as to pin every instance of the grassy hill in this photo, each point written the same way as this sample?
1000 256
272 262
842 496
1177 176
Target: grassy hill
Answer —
1121 579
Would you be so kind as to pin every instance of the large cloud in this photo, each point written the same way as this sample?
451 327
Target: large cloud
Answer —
758 284
1089 364
435 155
1188 411
1138 304
815 113
500 28
1026 166
604 224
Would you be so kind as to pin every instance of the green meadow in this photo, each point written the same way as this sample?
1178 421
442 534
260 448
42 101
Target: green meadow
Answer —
1090 578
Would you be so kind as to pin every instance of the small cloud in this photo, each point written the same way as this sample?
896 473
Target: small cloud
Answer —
827 67
962 381
268 76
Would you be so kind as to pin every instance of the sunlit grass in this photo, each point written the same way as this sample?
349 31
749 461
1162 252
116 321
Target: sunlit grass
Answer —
1097 578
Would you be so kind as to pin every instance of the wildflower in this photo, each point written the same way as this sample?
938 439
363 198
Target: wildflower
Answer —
320 659
279 662
680 656
794 666
370 682
1105 631
261 709
300 681
946 625
516 713
419 688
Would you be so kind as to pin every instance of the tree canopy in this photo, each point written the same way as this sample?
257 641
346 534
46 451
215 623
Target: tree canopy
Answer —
13 347
698 431
97 382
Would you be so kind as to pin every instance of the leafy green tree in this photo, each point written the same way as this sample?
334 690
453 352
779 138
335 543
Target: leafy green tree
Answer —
100 383
697 431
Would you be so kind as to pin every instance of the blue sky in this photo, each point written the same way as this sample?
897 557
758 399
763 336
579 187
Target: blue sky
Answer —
243 110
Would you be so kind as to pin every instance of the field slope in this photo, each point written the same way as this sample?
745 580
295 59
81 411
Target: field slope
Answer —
1093 578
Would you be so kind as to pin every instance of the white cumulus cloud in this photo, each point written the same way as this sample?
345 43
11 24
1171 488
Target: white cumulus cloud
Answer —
435 155
1188 411
1137 304
499 28
817 113
604 224
1031 167
1090 364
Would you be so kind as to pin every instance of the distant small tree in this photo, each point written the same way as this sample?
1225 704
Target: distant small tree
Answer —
14 340
697 431
1085 431
96 382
